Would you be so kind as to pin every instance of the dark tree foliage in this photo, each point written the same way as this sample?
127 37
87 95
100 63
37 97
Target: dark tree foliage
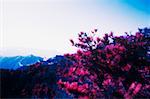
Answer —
32 82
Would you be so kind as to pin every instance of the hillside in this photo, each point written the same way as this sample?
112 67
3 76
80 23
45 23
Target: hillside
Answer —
37 80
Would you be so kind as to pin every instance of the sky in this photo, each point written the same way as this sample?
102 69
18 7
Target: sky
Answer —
44 27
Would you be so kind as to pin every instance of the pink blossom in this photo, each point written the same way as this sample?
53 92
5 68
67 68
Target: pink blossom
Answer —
132 86
80 88
85 86
74 85
137 89
93 91
81 71
83 97
127 67
79 52
106 82
88 53
72 69
67 85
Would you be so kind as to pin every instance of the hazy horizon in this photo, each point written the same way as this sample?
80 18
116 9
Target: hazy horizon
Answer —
9 52
44 27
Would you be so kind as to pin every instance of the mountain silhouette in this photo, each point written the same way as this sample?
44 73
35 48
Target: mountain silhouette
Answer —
15 62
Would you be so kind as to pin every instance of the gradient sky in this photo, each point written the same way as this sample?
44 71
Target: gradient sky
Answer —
44 26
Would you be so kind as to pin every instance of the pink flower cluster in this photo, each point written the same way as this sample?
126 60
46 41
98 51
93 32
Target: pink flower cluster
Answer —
74 87
108 67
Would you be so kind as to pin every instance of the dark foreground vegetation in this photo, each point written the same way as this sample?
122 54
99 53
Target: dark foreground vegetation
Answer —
108 67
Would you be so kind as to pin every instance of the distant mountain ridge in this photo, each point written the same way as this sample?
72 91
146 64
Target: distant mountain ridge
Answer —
14 62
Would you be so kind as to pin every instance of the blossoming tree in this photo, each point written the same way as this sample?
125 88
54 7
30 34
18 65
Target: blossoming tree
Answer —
112 66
